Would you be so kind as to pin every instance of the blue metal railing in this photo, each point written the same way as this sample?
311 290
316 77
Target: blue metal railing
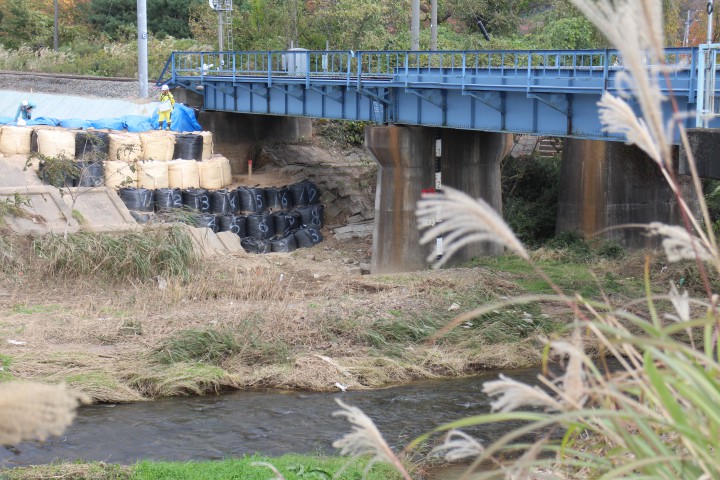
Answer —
451 68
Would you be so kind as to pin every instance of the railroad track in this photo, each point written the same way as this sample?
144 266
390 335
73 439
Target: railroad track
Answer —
70 76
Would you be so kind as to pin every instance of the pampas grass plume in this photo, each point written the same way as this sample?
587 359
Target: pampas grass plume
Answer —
35 411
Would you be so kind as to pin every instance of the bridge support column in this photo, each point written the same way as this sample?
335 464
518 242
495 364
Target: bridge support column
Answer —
609 184
471 163
406 159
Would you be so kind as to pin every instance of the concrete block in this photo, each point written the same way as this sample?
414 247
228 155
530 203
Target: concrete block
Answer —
101 207
368 214
332 211
47 211
230 242
13 174
205 241
355 219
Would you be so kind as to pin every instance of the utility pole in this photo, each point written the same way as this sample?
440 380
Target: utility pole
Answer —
710 21
433 25
415 26
55 26
142 48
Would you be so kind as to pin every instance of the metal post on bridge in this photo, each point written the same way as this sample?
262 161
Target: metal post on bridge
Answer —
707 58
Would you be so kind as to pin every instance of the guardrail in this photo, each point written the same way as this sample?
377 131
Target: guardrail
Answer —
397 66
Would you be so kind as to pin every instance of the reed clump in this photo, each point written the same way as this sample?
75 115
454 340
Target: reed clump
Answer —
140 255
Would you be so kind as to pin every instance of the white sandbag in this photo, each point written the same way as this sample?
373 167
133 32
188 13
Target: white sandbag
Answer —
124 147
211 174
55 142
225 166
152 174
119 174
15 140
157 145
207 150
183 174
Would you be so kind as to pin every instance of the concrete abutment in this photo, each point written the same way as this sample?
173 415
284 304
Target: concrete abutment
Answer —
237 135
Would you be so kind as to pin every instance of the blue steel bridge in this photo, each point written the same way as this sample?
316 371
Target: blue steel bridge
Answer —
547 93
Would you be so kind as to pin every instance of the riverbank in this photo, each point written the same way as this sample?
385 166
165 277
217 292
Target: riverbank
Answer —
305 320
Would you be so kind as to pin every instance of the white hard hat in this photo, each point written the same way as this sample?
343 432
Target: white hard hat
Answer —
24 103
165 87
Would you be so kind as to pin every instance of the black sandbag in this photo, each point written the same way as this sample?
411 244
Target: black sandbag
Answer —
61 176
277 199
33 141
308 236
260 226
138 199
312 192
298 194
168 198
208 220
286 202
284 245
247 201
92 174
92 146
286 222
312 215
233 223
259 198
234 202
253 245
188 146
196 199
220 202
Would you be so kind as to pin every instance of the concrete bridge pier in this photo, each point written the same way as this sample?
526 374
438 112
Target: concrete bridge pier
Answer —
608 184
406 166
406 159
471 164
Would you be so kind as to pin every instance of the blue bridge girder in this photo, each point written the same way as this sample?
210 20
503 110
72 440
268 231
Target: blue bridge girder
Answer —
545 93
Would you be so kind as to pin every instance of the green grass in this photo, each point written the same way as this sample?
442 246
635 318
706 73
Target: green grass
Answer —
5 362
26 309
576 277
205 346
292 467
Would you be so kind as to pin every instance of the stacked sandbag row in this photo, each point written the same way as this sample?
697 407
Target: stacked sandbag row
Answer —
130 158
265 219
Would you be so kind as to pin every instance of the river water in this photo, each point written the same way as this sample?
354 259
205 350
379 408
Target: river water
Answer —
245 422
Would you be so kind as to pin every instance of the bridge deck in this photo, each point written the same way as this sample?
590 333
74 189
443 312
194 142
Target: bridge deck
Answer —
536 92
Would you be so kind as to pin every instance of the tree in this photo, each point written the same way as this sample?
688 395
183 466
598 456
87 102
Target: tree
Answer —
21 23
118 18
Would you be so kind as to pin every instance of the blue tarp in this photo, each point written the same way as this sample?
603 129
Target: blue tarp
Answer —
53 122
75 123
137 123
182 118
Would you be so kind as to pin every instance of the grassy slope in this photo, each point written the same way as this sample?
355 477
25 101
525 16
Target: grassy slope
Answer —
302 320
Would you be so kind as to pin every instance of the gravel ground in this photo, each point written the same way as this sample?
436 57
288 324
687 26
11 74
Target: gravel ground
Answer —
42 83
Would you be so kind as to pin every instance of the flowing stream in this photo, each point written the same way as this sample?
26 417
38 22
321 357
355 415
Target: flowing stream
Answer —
269 422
